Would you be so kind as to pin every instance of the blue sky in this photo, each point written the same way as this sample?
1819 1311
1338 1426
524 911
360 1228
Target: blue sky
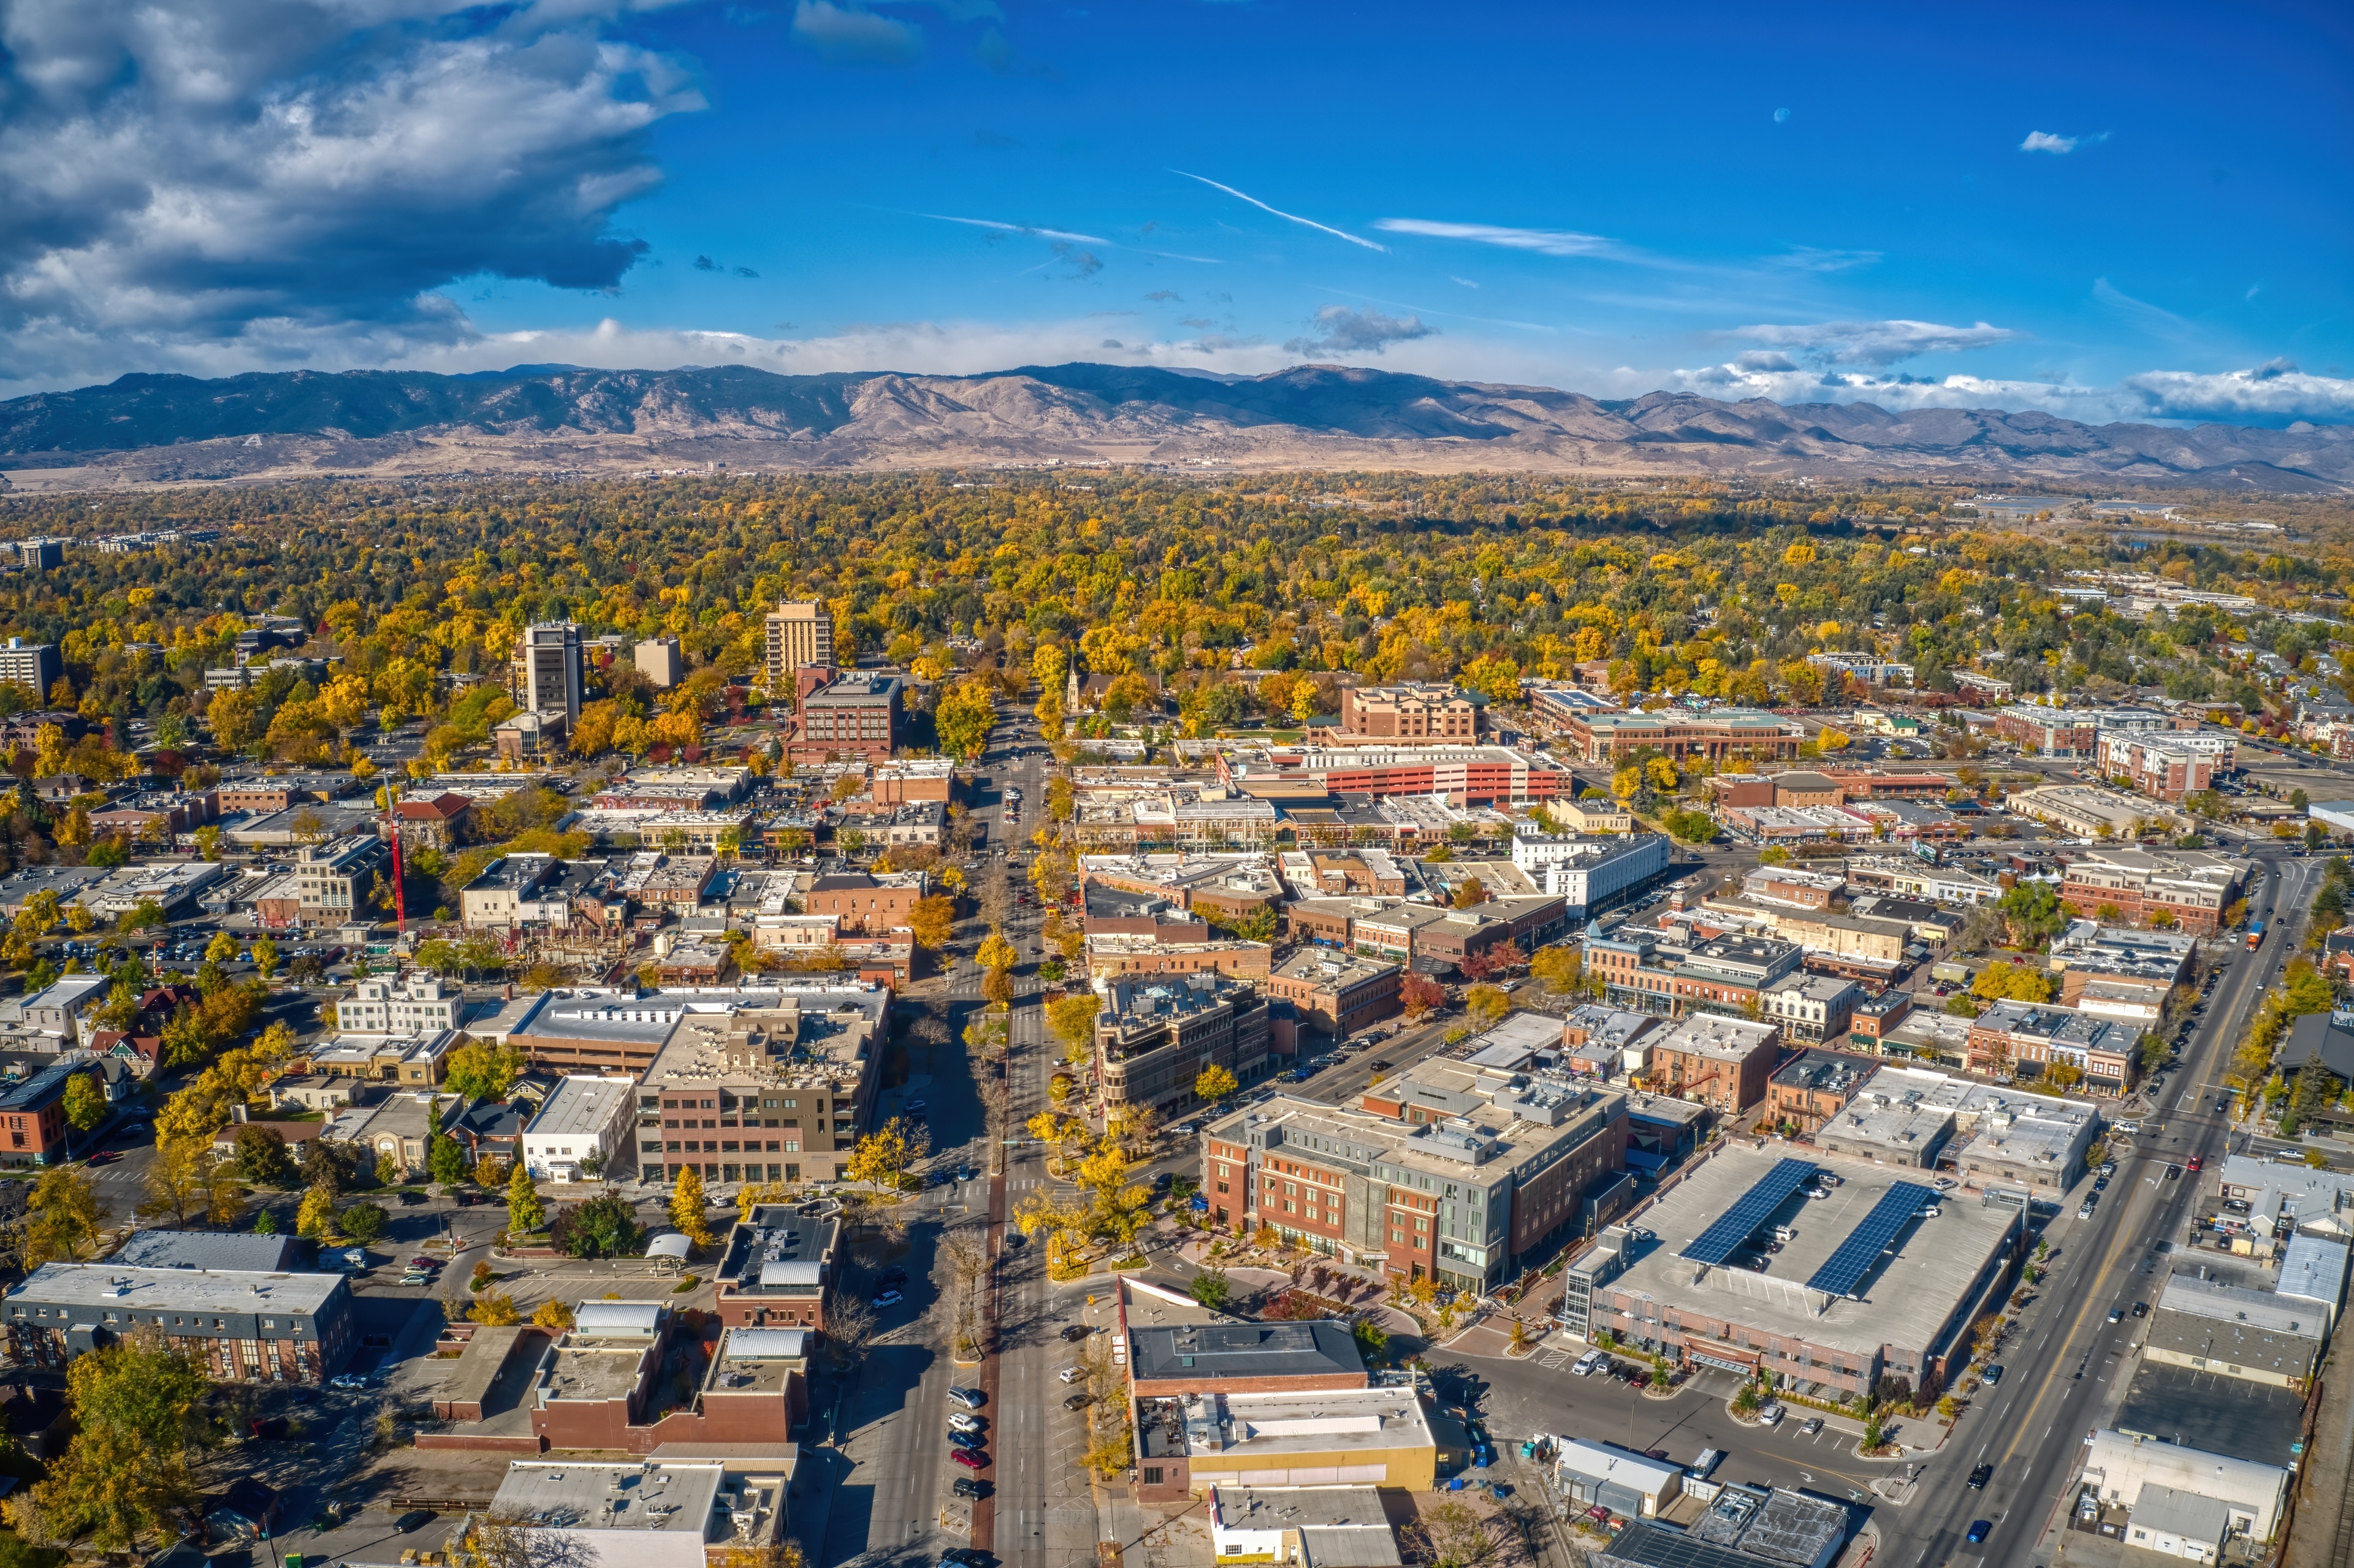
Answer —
2106 211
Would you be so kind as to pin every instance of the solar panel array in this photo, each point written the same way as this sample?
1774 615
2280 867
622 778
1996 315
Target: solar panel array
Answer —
1733 1228
1845 1268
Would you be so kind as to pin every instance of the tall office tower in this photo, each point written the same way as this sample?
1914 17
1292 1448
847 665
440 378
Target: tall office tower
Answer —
799 634
545 675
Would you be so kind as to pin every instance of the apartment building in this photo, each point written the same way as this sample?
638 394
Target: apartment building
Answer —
851 715
1154 1037
2184 890
545 675
409 1005
32 666
1729 975
2155 765
659 660
336 880
1725 735
33 1127
1498 1165
1410 711
239 1326
582 1130
800 634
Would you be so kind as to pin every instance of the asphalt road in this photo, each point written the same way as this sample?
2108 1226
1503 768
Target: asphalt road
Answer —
2067 1367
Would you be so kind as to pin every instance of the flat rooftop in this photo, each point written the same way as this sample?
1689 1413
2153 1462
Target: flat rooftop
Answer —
757 1361
671 1497
592 1367
115 1286
1206 1351
1251 1426
2212 1412
582 1107
1907 1299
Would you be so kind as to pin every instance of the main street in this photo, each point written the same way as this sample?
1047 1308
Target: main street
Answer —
2067 1366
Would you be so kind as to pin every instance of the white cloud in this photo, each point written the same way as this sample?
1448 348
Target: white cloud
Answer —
2271 394
1807 258
1286 217
1344 329
1870 343
2045 142
214 182
851 35
1544 241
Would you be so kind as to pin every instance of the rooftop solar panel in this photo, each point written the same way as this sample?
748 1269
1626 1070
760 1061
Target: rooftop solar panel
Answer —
1845 1268
1733 1228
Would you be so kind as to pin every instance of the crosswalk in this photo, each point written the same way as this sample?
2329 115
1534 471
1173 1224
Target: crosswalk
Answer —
1554 1361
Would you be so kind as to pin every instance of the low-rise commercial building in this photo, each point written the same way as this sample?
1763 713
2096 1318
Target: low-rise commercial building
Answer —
2071 1048
779 1267
2155 765
1809 1009
2181 890
1337 994
1720 1062
2119 1469
1726 734
1814 1088
406 1006
1589 874
582 1130
2228 1331
1189 1443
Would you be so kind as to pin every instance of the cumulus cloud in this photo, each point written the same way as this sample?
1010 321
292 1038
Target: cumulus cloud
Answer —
2276 393
1343 329
2045 142
1870 343
852 35
207 182
1544 241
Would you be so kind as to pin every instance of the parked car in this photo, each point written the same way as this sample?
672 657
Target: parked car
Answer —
348 1380
971 1398
1993 1376
415 1519
966 1557
1072 1374
1079 1402
1075 1331
966 1440
959 1422
969 1459
1589 1363
965 1487
892 1275
888 1298
1771 1415
1814 1425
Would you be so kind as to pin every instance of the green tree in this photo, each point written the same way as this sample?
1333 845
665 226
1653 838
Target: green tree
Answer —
261 1157
604 1226
364 1222
481 1070
1211 1288
85 1101
446 1160
525 1213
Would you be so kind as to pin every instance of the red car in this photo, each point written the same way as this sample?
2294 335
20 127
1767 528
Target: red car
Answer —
104 1157
969 1459
2195 1162
427 1262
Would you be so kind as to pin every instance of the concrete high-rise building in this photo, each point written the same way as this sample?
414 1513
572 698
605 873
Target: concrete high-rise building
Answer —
545 675
659 661
799 633
33 665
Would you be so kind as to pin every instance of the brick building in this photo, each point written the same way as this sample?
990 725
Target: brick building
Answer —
1722 1063
851 715
1414 711
239 1327
33 1116
1337 994
863 903
1153 1038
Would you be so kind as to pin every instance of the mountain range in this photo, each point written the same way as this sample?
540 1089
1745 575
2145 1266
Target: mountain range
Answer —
146 428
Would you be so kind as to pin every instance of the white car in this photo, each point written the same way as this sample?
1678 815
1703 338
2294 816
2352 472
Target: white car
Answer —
1589 1363
1771 1415
959 1422
1072 1374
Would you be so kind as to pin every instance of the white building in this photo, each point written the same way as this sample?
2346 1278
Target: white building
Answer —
413 1005
1585 873
2120 1468
666 1511
586 1119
